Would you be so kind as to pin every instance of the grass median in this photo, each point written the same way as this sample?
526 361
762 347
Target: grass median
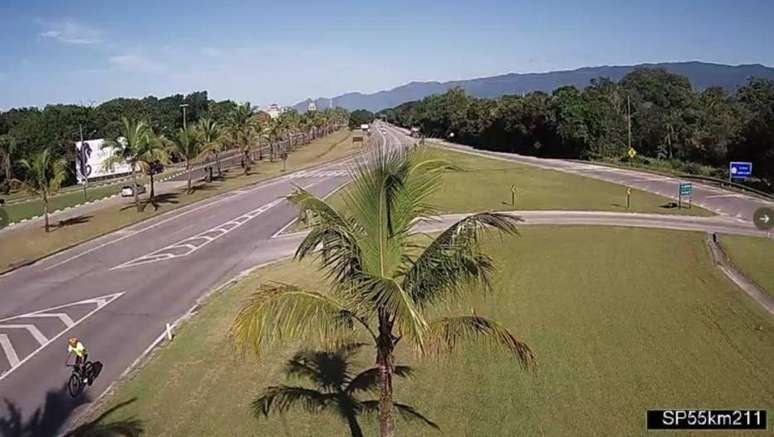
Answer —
484 184
621 320
752 256
28 243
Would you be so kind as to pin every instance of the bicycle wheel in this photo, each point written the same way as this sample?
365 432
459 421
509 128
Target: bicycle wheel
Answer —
89 372
74 385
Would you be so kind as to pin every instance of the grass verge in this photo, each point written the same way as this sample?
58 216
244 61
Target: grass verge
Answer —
621 320
752 256
28 243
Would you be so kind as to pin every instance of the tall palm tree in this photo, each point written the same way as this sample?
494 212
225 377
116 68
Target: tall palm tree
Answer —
135 136
335 388
383 286
211 135
150 157
44 175
188 144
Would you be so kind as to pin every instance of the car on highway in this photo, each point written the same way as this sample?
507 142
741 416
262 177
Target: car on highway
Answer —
126 190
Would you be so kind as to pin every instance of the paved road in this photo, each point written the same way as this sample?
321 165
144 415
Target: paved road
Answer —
118 292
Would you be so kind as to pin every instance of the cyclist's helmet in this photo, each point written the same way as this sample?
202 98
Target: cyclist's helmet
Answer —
72 341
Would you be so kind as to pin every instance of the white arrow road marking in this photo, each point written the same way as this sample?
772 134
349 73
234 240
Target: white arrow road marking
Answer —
5 342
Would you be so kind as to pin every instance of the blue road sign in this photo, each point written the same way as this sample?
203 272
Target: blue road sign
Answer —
739 169
686 189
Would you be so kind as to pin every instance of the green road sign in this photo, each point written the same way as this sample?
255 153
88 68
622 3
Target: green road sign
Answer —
686 189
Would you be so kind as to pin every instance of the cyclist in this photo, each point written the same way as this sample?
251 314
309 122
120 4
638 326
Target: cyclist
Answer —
75 347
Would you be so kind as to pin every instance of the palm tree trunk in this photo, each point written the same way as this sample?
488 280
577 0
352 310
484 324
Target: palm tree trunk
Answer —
354 427
152 191
188 169
134 189
385 363
45 210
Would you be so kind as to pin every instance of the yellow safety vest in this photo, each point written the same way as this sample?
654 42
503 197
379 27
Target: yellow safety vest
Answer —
79 349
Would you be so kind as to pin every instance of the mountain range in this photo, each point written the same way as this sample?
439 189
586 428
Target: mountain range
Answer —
701 74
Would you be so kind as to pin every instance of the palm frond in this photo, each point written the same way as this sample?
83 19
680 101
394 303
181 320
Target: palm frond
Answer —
277 311
446 334
405 412
454 262
334 235
368 380
385 293
280 398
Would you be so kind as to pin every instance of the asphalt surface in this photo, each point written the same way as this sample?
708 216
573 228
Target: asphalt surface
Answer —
117 292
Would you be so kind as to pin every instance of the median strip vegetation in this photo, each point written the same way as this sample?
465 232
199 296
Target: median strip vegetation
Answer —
636 319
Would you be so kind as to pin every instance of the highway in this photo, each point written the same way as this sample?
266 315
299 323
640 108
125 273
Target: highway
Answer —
117 292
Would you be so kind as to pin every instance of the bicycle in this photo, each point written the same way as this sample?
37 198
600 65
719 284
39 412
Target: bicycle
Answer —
81 376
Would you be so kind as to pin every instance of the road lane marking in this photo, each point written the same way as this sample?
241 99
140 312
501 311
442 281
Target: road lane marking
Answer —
190 245
177 214
61 316
32 329
10 352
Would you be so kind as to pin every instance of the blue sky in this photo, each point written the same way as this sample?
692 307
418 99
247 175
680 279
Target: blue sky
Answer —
79 51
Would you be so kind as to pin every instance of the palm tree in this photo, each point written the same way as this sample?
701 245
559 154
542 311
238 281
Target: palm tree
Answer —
211 134
188 144
150 158
135 136
382 284
242 129
44 175
7 152
335 388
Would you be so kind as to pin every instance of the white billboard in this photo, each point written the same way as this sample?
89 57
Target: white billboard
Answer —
91 157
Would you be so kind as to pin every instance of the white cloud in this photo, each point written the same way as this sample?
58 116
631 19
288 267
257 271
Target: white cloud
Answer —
72 32
137 64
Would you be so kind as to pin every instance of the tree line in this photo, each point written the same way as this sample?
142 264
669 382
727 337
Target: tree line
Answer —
26 132
659 113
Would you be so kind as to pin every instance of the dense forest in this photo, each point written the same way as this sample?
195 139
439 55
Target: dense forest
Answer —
25 132
671 123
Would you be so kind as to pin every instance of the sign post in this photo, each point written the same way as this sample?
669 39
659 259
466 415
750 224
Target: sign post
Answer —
685 190
513 195
739 170
628 197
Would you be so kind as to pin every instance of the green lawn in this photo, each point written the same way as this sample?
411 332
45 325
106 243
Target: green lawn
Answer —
483 184
29 243
621 320
752 256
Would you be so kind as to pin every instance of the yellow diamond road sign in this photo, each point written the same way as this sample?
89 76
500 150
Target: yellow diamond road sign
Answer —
632 153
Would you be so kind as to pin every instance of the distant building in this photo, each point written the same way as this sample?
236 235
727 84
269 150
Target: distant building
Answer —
273 110
311 107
